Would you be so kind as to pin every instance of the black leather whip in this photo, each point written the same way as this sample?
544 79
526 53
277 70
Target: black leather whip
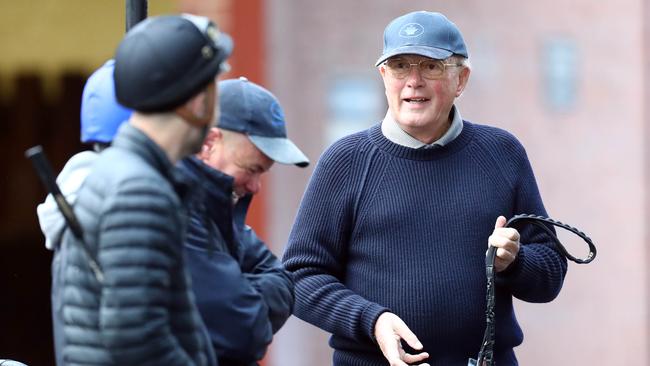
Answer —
486 354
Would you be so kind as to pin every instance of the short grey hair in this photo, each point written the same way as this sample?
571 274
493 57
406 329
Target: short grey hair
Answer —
458 59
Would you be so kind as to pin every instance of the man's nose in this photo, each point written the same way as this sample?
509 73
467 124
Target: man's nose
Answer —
254 184
414 77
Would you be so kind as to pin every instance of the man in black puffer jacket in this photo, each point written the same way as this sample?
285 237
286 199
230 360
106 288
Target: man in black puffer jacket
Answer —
131 206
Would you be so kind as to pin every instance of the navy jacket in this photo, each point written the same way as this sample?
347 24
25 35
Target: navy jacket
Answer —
243 292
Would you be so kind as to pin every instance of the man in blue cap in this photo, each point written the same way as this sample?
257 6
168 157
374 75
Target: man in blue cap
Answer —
388 248
101 116
242 290
126 294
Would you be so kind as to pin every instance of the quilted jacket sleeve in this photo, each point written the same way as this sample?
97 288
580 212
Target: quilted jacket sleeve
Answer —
140 242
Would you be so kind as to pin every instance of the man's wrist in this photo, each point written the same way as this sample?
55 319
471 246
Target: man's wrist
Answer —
369 319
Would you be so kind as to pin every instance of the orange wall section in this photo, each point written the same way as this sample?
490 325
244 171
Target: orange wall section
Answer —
248 59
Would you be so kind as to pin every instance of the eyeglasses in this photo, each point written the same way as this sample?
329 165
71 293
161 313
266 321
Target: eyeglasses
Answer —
429 68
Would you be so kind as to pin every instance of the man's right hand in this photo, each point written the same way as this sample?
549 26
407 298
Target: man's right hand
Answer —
389 331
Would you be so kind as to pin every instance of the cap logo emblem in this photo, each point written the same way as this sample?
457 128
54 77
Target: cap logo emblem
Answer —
277 116
411 30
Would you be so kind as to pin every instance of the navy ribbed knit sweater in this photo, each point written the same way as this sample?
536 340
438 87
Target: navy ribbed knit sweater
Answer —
383 227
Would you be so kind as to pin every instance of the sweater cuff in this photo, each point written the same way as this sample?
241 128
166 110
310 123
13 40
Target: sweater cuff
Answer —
369 317
513 273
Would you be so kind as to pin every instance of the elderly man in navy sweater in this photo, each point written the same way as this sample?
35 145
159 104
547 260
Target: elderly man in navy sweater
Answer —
389 242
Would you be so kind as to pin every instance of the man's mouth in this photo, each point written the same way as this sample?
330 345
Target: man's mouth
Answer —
416 100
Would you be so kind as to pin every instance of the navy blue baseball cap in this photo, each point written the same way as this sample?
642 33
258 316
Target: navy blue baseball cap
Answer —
422 33
248 108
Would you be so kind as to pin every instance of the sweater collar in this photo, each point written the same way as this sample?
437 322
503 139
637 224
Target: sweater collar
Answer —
392 130
382 142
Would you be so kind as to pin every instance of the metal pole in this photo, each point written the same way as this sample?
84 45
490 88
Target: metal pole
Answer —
136 10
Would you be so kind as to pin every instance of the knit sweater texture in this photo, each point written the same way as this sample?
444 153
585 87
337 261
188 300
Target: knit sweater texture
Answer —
383 227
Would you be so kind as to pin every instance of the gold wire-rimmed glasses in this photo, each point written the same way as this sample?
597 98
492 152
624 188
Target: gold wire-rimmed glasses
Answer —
400 67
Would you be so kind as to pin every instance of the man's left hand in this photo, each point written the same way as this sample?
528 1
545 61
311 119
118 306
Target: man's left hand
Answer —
506 240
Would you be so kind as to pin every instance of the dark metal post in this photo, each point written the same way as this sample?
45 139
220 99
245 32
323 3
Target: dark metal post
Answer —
136 10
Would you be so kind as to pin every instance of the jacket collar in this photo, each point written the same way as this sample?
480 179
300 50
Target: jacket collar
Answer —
133 139
217 190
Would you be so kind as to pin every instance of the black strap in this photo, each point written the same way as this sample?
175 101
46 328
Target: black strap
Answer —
486 355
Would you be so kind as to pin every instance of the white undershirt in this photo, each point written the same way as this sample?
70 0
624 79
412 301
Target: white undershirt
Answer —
392 131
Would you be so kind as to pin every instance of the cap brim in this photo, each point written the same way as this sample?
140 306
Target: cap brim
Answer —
431 52
281 150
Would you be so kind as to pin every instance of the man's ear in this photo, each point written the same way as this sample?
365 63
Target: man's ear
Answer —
463 77
382 70
213 137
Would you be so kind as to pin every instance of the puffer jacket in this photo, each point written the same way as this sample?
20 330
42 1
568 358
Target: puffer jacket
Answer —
53 224
143 313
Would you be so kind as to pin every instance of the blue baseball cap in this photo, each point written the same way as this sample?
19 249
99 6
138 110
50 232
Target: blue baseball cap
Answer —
422 33
101 114
250 109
